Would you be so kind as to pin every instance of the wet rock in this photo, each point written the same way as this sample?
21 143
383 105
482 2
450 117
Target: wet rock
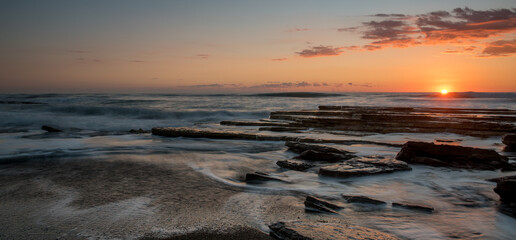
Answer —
294 164
500 179
313 155
282 129
353 169
324 231
319 205
506 189
258 177
253 123
214 134
451 156
299 147
413 207
509 140
50 129
362 199
386 162
363 167
139 131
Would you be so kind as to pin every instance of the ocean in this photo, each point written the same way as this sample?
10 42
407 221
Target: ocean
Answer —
95 127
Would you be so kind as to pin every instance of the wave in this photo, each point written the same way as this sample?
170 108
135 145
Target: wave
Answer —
298 94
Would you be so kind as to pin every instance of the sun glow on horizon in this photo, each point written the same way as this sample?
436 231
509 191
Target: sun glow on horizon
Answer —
444 92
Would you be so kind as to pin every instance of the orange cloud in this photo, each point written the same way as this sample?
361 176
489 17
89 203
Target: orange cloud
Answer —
500 48
460 26
320 51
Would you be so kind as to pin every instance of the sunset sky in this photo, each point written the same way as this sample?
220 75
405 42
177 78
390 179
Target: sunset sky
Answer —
257 46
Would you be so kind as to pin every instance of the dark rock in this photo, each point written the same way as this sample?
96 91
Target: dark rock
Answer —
413 207
299 147
282 129
313 155
352 169
509 140
294 164
500 179
319 205
139 131
451 156
506 189
253 123
214 134
324 231
362 199
386 162
50 129
257 177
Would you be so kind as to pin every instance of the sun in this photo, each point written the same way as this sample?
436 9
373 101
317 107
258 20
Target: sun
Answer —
444 92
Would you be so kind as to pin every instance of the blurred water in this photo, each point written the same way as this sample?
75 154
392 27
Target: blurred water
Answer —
98 124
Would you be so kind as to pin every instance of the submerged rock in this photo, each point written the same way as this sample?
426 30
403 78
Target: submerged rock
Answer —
362 199
502 179
257 177
451 156
324 231
299 147
294 164
282 129
413 207
50 129
313 155
139 131
319 205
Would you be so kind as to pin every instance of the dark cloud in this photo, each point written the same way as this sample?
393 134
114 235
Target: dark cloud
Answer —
460 26
390 15
320 51
88 60
500 48
137 61
303 84
203 56
279 59
359 85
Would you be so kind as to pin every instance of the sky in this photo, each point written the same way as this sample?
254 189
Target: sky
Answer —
195 46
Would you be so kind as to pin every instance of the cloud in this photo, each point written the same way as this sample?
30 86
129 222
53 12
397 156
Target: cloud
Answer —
279 59
500 48
136 61
216 85
461 26
359 85
320 51
203 56
88 60
298 30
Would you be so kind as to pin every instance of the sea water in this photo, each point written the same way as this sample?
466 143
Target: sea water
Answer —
99 124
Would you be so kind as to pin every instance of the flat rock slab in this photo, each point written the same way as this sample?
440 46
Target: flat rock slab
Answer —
294 164
451 156
214 134
312 155
319 205
325 231
413 207
299 147
50 129
362 199
354 168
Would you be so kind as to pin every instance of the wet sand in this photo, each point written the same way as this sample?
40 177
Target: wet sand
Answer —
133 197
